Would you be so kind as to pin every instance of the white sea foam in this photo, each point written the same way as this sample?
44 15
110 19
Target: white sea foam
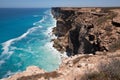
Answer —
35 15
9 73
26 50
49 47
3 57
49 33
8 43
40 26
42 20
34 24
54 37
1 62
18 64
47 12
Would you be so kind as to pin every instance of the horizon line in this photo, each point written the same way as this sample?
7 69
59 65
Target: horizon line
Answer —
69 7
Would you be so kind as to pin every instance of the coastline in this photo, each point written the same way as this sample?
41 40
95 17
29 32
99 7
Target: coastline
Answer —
30 70
79 65
47 46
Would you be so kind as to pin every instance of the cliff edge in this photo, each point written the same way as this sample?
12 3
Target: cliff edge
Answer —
83 32
86 30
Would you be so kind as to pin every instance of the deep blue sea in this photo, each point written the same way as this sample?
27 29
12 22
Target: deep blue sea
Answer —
25 40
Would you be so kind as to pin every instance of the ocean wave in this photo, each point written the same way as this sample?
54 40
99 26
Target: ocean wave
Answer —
8 43
49 45
49 48
34 24
28 50
41 21
2 61
36 15
8 50
9 73
47 12
49 32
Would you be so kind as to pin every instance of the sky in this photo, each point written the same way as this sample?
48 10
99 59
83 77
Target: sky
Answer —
57 3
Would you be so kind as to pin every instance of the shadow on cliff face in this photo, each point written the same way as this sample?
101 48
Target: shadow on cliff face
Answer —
78 42
116 24
87 29
110 71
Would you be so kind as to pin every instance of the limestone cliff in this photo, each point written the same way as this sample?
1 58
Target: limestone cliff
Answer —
83 30
86 30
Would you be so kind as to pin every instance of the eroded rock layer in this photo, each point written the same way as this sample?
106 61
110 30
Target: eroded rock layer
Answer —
86 30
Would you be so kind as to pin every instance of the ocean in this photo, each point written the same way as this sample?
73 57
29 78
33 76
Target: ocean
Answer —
25 40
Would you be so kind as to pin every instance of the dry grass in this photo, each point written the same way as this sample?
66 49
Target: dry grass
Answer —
108 28
115 46
109 71
103 19
76 60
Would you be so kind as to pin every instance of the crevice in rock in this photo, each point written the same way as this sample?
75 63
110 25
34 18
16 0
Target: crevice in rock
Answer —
116 24
88 30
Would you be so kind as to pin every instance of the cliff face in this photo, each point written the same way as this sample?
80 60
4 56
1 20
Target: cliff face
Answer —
86 30
83 30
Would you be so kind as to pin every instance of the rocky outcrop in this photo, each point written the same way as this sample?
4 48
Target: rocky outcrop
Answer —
86 30
64 18
116 20
78 67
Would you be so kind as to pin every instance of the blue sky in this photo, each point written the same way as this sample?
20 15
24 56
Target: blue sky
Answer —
58 3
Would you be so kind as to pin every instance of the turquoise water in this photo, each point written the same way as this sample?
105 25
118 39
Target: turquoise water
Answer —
25 36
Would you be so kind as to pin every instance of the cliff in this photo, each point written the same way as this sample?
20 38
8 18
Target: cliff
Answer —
83 32
86 30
